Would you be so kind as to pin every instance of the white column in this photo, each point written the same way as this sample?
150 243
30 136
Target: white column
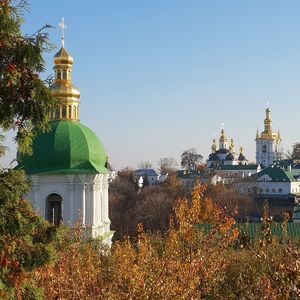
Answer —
71 218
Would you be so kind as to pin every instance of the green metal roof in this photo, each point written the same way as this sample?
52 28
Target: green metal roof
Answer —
69 148
254 230
277 174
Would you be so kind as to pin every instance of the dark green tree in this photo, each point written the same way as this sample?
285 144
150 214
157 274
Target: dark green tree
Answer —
25 99
25 103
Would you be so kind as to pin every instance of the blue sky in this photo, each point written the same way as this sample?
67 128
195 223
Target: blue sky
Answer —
159 77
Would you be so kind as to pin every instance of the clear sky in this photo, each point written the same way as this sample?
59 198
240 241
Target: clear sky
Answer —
159 77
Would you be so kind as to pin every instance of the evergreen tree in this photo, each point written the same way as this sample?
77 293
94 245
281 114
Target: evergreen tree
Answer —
25 102
25 99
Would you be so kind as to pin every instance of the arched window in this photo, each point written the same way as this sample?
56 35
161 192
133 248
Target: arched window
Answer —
264 149
64 74
57 114
64 112
58 74
54 209
70 111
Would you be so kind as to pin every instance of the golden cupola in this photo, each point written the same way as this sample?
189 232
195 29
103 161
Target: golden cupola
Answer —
231 146
63 86
214 146
223 140
268 134
223 136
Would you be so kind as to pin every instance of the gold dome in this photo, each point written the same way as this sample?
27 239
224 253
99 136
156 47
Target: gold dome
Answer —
268 134
62 57
223 135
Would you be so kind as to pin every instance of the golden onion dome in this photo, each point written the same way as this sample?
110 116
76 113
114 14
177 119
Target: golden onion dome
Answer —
62 57
223 135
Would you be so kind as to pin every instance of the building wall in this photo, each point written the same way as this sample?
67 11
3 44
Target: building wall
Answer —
84 200
274 188
268 157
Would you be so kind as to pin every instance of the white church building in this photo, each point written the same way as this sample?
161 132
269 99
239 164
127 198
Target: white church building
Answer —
267 144
68 167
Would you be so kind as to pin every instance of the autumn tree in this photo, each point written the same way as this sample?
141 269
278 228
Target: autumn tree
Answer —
144 165
167 164
236 204
190 159
123 196
296 151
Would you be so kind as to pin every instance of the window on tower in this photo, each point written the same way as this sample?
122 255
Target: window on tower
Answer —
64 74
57 114
264 149
64 112
58 74
70 111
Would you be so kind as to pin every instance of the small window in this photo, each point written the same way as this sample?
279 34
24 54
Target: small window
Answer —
54 209
64 112
57 114
280 190
273 191
267 190
58 74
64 74
70 111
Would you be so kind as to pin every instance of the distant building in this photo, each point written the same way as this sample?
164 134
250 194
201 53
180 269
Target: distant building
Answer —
296 212
149 177
190 177
225 154
232 173
273 182
227 164
267 144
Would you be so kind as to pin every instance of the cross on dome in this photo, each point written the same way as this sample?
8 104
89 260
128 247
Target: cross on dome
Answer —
62 26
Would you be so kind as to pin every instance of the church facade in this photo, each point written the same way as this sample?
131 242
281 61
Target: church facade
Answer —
267 144
68 168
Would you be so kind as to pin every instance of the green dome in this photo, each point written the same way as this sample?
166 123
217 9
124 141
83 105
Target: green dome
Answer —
69 148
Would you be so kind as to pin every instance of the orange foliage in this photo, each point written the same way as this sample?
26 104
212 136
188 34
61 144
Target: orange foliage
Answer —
186 264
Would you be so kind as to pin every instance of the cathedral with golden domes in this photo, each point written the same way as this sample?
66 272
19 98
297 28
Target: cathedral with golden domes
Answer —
225 154
267 148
